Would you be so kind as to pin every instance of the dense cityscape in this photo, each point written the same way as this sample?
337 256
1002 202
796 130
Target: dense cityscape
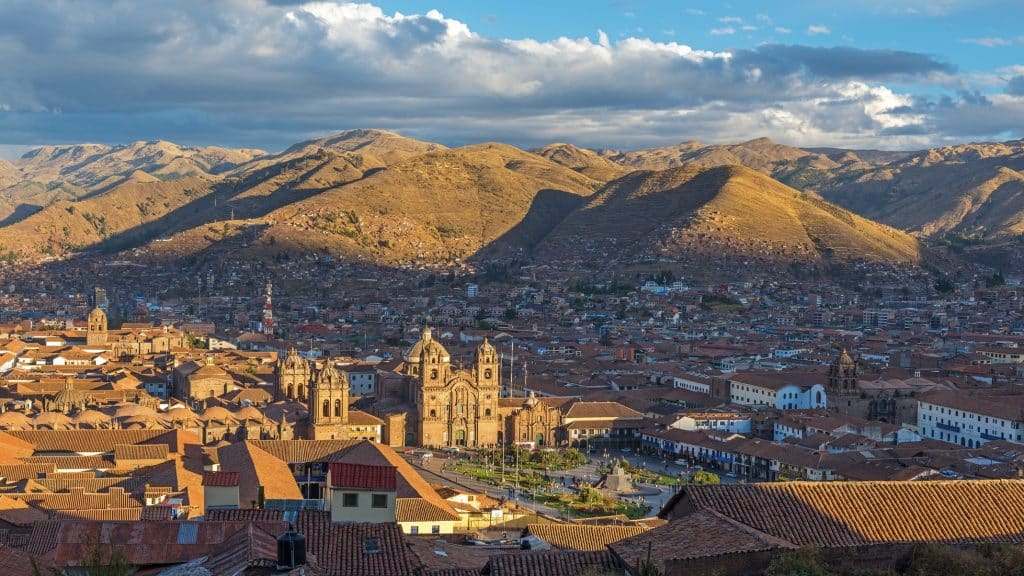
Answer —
465 289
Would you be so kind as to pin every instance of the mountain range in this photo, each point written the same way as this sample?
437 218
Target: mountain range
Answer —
378 196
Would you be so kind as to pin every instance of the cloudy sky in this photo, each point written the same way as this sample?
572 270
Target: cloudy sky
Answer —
893 74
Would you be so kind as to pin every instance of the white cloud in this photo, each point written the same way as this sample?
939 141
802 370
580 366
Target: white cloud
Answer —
694 11
818 30
988 42
748 28
731 20
782 30
249 72
724 31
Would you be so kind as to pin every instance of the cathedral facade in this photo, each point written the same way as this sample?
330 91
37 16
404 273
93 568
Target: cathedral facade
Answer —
454 406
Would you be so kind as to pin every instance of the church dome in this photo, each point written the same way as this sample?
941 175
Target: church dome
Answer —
68 398
218 414
92 419
428 348
52 421
249 413
15 421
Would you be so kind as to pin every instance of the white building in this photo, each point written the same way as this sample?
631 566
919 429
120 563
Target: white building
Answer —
967 420
721 421
783 390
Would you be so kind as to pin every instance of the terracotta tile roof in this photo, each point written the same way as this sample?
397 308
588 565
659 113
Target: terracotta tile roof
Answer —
553 563
339 548
14 561
83 440
360 418
411 486
220 478
75 462
15 472
140 452
79 500
703 533
580 537
304 451
146 543
239 551
857 513
43 538
102 515
17 512
362 476
257 468
422 509
605 410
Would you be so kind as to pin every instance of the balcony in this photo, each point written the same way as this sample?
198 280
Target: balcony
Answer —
990 437
947 427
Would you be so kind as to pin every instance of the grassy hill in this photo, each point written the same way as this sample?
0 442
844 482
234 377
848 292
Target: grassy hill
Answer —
724 211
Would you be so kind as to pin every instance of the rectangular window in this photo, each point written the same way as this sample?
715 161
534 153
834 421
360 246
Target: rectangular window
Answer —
350 500
435 529
379 501
414 530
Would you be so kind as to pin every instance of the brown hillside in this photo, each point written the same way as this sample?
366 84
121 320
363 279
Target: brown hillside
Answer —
64 227
586 162
90 166
140 208
435 208
377 146
722 210
971 189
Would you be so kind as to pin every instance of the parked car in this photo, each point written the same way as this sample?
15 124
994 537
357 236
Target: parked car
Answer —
680 462
626 450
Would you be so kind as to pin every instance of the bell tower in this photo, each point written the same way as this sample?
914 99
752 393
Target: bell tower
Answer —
842 375
97 328
328 404
293 377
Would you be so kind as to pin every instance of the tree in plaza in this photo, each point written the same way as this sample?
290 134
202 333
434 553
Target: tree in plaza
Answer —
704 477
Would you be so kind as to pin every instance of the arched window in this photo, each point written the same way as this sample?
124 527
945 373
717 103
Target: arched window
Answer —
291 392
817 397
302 392
337 407
487 412
488 373
433 374
327 408
433 413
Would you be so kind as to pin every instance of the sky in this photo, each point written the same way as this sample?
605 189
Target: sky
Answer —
625 74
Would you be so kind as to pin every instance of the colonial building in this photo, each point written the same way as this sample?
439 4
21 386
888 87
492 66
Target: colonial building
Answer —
455 406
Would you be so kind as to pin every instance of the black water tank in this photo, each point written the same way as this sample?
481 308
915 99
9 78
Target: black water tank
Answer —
291 549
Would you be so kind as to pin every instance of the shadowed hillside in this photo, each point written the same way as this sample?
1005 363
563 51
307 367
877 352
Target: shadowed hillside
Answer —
436 208
721 210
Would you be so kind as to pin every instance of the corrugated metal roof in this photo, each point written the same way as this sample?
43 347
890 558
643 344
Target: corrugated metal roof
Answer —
188 532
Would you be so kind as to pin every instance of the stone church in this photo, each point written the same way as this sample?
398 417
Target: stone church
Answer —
456 407
326 393
429 402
